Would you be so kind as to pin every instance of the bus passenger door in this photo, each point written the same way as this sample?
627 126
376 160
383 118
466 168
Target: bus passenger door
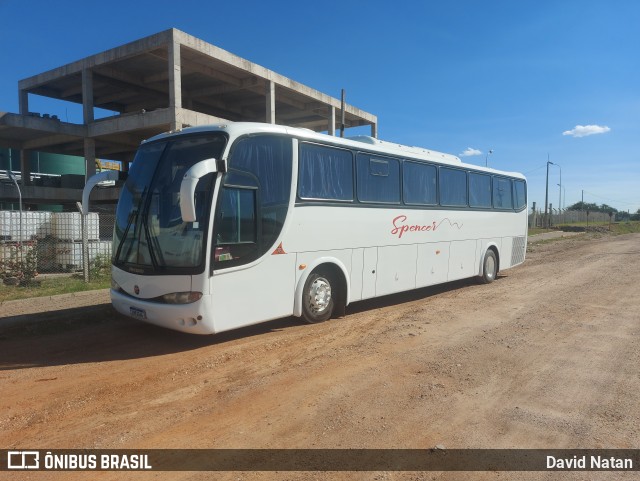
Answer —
252 278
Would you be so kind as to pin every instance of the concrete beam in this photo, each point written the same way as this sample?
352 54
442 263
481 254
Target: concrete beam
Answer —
250 83
45 125
32 194
190 117
194 66
130 122
131 49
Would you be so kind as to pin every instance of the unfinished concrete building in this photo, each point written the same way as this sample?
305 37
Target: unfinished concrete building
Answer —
163 82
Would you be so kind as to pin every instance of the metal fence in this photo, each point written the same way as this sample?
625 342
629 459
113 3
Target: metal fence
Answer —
52 242
562 217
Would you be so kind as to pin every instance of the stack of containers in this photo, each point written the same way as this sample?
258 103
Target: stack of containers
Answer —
66 227
57 237
35 225
17 228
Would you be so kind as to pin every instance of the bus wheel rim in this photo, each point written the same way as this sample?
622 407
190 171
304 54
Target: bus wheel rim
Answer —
491 267
320 295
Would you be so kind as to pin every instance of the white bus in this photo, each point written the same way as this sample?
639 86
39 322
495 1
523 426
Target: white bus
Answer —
225 226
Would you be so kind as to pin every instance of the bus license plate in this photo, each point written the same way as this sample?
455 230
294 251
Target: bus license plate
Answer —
137 313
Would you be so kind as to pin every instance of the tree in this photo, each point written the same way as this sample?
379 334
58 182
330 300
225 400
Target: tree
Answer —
592 207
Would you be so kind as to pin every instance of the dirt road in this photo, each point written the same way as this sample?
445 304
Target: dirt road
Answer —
545 357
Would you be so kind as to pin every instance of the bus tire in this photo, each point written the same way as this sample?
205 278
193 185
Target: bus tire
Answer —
317 298
489 267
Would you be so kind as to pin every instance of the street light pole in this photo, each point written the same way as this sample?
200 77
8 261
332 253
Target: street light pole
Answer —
486 158
546 197
15 182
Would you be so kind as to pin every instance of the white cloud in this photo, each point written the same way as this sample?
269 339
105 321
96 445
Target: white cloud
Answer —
470 152
585 130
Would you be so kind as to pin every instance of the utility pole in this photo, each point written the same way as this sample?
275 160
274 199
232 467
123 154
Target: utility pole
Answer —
560 190
546 195
342 107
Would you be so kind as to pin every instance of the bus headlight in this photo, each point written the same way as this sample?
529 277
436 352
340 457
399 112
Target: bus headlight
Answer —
182 297
114 285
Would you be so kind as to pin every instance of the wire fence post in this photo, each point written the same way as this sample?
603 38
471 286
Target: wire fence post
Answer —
85 243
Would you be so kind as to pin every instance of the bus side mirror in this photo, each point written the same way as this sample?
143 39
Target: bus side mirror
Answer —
107 175
189 183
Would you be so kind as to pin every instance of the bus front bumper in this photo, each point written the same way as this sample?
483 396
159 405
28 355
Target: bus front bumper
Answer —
193 318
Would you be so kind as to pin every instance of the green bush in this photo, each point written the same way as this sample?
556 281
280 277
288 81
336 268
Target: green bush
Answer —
100 267
21 266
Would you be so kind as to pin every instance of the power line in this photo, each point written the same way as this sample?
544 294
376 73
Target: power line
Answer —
610 200
537 168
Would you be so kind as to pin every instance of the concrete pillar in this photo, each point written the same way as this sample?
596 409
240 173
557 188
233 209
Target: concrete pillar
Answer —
175 84
23 99
374 131
25 167
332 120
87 96
89 158
271 102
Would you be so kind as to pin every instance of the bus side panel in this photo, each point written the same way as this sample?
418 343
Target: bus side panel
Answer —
433 263
396 269
357 266
505 255
370 272
462 260
260 293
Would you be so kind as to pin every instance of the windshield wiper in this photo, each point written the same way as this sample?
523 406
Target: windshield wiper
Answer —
133 218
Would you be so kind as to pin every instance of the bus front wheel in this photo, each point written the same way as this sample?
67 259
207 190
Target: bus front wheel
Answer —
489 267
317 298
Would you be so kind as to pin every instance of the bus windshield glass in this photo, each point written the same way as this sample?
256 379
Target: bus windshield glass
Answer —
149 232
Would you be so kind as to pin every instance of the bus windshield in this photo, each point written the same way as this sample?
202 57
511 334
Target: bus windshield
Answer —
150 235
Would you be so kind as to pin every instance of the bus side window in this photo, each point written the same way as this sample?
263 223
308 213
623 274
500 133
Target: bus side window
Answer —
502 194
377 179
453 187
521 194
479 190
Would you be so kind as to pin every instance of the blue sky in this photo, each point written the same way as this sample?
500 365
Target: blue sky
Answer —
455 76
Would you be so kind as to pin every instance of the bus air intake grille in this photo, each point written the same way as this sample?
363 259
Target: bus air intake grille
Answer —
517 250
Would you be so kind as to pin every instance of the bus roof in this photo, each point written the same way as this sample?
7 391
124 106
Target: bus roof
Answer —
361 142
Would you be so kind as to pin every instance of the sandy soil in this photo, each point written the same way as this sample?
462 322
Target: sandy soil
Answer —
545 357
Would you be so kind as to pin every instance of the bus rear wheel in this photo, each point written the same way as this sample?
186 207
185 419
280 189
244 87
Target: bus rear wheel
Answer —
489 267
317 298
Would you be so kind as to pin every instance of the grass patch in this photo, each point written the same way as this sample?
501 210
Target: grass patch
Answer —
539 230
618 228
583 224
52 286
